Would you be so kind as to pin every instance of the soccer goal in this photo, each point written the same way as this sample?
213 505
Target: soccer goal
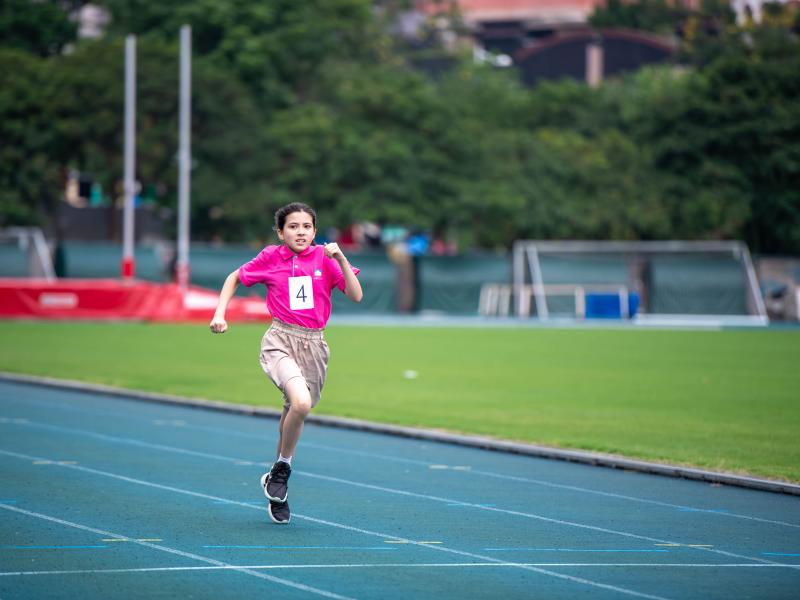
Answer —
669 282
24 253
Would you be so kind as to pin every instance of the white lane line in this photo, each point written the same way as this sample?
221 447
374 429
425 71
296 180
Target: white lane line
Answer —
205 559
574 579
391 566
450 501
635 499
236 460
541 482
345 527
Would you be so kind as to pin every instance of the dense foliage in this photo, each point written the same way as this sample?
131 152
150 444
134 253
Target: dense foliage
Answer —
316 101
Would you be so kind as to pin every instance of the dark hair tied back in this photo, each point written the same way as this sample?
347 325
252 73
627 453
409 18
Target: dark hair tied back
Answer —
285 211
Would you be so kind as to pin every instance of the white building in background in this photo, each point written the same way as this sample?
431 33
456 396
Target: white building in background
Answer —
92 21
570 12
751 9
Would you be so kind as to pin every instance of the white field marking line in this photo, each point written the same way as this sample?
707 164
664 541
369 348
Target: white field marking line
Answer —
388 566
439 548
190 555
345 527
527 515
635 499
399 459
241 461
394 491
140 443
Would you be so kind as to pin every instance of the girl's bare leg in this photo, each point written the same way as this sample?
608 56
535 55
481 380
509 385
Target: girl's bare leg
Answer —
280 432
291 425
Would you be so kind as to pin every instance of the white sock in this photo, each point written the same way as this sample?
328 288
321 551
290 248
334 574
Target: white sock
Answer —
287 460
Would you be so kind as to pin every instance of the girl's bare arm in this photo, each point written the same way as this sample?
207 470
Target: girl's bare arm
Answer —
218 323
352 287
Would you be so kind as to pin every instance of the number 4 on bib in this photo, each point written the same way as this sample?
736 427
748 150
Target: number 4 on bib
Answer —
301 293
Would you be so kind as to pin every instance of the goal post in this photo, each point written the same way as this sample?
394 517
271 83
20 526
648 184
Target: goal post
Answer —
665 281
24 253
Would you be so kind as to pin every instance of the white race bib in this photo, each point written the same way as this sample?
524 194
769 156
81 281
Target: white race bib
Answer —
301 293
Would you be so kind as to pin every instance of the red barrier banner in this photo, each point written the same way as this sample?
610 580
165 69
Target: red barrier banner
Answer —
115 299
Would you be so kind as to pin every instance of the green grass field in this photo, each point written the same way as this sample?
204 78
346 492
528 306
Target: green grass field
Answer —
722 400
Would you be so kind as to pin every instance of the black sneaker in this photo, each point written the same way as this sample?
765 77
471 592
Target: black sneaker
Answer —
279 512
275 482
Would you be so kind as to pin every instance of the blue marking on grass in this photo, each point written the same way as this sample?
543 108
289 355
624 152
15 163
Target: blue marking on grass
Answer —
780 554
720 511
49 547
565 550
8 501
303 547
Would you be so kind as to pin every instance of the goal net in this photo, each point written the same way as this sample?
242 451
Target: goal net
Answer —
670 282
24 253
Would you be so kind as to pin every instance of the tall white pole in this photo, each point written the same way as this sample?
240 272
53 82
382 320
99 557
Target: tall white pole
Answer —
128 261
184 158
595 56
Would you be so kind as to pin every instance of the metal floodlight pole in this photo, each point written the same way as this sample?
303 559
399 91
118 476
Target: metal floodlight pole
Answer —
128 261
184 157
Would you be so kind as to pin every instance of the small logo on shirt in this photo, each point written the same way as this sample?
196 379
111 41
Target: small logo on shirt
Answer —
317 273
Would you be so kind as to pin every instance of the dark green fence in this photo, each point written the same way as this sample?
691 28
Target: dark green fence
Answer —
13 261
688 285
103 259
452 284
445 284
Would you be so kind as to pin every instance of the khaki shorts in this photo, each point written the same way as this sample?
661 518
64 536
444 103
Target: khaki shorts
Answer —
289 351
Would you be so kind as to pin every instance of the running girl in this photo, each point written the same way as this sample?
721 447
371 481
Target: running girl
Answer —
300 278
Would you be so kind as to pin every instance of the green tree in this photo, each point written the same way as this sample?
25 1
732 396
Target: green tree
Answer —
710 33
727 138
67 111
276 48
311 101
669 118
227 140
367 148
658 16
42 27
704 32
30 174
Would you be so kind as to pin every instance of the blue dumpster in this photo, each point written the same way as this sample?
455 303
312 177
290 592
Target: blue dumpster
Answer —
609 305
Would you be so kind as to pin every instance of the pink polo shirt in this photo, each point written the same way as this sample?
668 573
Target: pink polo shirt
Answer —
298 285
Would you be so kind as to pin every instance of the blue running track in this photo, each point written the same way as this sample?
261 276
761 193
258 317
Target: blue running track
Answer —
106 497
